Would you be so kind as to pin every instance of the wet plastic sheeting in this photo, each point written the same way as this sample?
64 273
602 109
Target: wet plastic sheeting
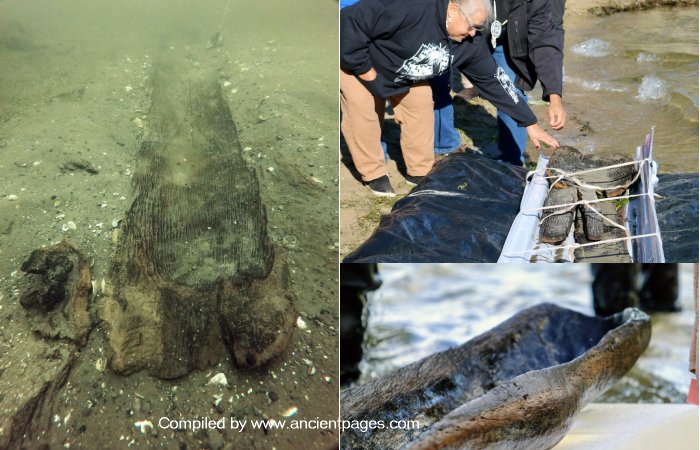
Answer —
461 212
677 212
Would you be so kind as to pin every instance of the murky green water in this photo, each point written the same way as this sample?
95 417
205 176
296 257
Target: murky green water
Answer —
424 308
75 85
628 72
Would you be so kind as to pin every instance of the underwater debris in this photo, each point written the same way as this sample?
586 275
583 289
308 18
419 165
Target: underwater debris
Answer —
219 379
82 164
58 294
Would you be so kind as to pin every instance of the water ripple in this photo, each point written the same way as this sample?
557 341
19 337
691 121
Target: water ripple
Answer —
652 88
594 48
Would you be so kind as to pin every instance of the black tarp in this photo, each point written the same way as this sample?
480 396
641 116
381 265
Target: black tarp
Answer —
463 209
677 212
461 212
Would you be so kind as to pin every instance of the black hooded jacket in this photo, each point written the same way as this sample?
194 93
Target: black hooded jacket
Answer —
406 42
533 39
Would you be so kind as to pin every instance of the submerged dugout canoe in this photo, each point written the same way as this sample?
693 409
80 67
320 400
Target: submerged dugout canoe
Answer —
518 386
194 273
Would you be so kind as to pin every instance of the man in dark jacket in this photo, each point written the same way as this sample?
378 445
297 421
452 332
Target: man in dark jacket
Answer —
388 50
527 41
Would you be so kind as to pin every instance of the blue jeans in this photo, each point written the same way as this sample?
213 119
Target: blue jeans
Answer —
511 138
446 136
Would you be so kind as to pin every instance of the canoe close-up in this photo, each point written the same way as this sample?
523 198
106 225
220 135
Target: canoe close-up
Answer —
517 386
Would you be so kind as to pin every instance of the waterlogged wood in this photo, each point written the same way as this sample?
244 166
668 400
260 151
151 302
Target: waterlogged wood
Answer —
519 385
195 270
30 394
58 294
592 221
556 222
603 252
612 182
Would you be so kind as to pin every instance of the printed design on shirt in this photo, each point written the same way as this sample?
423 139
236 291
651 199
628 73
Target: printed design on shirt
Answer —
507 85
430 60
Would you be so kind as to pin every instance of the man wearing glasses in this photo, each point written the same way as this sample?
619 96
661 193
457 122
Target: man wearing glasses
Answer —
388 50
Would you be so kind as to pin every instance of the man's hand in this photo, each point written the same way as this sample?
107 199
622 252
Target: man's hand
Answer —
537 135
557 115
370 75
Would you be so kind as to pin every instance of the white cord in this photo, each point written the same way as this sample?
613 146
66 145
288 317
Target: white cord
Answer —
571 176
566 207
585 202
576 245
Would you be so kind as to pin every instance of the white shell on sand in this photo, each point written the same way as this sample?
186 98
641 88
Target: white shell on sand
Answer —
290 412
219 379
144 425
70 225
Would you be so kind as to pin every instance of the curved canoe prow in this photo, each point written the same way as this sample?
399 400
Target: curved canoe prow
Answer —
517 386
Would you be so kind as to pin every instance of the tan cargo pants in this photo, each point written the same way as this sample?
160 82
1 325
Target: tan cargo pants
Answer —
361 125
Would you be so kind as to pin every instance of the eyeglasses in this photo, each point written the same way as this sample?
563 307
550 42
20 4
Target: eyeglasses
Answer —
480 28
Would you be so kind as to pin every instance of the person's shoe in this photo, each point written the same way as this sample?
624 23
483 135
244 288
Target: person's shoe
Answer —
413 180
382 187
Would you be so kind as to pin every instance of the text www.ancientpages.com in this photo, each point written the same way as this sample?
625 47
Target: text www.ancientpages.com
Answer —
294 424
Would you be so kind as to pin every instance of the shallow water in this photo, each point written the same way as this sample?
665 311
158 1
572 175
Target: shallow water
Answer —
627 72
424 308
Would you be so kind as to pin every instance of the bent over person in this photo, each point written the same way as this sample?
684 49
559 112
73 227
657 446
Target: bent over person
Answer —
388 50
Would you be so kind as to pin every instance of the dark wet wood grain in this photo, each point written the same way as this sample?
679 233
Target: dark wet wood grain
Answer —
195 270
556 225
592 222
569 160
519 385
